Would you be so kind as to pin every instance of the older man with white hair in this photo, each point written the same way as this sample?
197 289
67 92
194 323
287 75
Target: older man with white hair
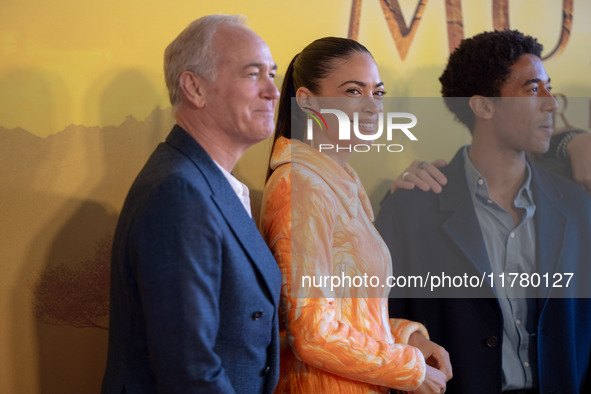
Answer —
194 289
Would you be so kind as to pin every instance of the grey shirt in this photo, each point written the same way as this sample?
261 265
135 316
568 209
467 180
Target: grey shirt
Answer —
511 249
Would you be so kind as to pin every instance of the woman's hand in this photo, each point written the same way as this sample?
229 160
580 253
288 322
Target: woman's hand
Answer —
426 176
579 152
435 355
434 382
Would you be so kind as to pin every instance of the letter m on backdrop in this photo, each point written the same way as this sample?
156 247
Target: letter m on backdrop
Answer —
402 34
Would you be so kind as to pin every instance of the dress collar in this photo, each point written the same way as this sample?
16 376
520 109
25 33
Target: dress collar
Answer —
344 182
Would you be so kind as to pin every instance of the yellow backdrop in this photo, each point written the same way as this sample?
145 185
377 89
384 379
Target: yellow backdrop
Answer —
83 103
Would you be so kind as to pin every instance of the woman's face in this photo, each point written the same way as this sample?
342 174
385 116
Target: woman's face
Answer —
353 85
355 76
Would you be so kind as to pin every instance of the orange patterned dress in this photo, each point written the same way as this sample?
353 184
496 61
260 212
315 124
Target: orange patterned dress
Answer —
318 222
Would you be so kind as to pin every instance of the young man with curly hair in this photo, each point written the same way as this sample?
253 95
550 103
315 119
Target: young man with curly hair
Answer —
499 214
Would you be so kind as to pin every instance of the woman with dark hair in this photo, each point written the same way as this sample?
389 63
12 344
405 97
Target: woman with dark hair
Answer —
317 220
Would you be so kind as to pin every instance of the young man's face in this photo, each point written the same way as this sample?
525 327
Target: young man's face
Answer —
523 115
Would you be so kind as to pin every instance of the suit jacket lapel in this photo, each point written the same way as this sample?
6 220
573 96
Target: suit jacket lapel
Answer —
462 225
224 197
550 225
463 228
243 227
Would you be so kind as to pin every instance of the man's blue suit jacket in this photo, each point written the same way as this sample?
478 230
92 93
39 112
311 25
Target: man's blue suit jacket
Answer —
194 288
426 229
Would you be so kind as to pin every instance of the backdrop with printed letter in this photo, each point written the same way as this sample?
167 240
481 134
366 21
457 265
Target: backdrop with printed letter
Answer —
83 103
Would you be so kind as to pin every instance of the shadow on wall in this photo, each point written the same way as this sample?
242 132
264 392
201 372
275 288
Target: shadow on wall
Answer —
71 296
36 94
72 185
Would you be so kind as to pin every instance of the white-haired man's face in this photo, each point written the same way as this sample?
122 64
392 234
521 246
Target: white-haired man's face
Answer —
241 99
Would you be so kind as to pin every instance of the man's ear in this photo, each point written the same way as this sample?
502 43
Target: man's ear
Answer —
193 88
481 106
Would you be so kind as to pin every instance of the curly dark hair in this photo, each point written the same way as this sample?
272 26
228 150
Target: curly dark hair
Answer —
480 66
